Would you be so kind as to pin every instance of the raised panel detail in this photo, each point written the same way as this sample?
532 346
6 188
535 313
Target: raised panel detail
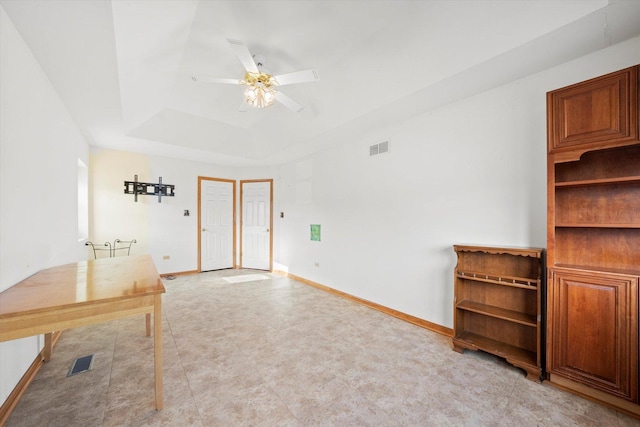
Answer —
588 114
594 330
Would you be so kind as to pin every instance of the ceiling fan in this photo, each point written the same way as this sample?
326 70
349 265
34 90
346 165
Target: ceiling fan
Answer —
261 89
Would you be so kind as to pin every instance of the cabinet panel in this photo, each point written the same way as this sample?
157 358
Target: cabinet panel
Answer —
596 112
593 328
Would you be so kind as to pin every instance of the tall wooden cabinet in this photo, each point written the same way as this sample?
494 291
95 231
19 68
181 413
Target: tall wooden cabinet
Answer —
498 304
593 238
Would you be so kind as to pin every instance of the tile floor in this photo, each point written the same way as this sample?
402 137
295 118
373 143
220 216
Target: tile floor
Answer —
275 352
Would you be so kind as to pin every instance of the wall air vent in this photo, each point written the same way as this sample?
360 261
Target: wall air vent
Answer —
380 148
383 147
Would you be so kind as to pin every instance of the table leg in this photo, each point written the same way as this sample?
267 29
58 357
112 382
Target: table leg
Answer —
148 324
48 345
157 348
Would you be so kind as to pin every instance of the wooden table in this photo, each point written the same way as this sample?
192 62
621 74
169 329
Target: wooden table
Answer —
85 293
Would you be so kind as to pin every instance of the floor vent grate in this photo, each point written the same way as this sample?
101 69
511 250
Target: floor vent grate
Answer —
81 364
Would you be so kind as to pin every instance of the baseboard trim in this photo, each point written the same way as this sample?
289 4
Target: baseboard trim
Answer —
9 405
179 273
615 403
391 312
189 272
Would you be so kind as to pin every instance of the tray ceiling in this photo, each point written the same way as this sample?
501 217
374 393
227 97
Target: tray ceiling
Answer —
124 68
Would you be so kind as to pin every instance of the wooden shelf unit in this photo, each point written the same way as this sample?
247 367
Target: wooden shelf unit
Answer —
498 304
593 238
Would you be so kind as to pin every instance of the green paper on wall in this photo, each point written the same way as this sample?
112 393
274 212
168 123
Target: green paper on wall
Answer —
315 232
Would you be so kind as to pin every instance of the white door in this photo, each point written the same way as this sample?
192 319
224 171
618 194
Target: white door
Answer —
256 224
216 224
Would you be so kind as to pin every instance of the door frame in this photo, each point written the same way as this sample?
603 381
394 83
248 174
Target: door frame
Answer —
270 181
233 184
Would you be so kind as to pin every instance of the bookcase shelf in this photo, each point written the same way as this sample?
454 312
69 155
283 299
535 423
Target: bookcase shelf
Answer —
604 181
595 225
498 304
498 312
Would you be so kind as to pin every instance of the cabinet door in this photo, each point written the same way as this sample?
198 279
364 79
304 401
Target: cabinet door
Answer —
598 113
593 330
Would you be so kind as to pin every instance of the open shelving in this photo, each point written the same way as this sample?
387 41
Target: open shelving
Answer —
498 304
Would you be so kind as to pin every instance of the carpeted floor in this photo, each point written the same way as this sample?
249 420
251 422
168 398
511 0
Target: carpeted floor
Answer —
267 350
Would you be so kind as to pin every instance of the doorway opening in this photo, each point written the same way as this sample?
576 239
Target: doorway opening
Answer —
216 223
256 228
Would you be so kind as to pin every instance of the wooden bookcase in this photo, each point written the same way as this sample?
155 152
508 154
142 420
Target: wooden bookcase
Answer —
593 238
498 304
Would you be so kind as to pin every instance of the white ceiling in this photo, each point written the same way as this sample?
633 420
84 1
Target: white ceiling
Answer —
123 68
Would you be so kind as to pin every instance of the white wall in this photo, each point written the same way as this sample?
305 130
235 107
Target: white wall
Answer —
469 172
39 150
113 214
161 229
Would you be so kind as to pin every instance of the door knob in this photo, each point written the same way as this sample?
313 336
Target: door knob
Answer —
204 229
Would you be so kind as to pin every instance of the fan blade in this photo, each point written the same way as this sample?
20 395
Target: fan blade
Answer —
288 102
204 79
297 77
243 54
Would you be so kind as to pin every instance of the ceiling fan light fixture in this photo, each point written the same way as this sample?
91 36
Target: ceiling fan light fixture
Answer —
259 96
259 93
260 89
